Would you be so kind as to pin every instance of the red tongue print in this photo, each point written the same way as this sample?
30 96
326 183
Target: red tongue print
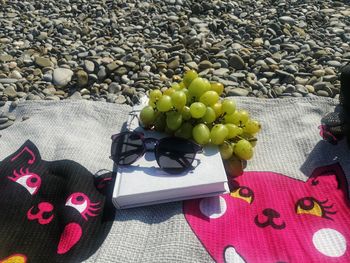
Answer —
70 236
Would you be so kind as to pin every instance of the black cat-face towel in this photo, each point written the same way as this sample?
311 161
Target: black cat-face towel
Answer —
51 211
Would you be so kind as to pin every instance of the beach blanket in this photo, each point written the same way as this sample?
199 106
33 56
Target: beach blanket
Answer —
290 205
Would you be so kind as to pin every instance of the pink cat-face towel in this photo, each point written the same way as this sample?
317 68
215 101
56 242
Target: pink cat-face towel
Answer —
269 217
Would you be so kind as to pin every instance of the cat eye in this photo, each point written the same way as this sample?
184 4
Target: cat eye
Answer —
311 206
82 203
27 179
244 193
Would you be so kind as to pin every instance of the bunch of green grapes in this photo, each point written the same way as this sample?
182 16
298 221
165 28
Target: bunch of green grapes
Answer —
193 109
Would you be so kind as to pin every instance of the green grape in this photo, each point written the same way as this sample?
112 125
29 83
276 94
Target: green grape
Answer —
233 118
209 97
252 127
217 87
182 85
198 110
169 91
186 113
209 115
198 87
233 130
178 98
185 131
176 86
160 122
218 134
173 120
250 138
201 134
189 76
234 166
155 95
188 96
244 116
151 103
164 104
243 149
228 106
226 150
147 115
217 107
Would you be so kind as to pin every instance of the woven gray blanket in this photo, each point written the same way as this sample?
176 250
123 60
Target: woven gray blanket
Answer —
289 144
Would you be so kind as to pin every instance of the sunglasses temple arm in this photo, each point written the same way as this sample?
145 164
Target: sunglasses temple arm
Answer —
127 154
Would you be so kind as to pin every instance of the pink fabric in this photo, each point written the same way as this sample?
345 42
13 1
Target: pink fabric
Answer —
269 217
70 236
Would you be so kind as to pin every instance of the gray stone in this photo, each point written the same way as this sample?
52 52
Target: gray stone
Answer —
192 65
75 96
334 63
3 119
112 66
89 66
52 97
10 92
82 78
8 81
62 76
174 64
319 72
120 99
114 88
43 62
205 64
236 62
121 71
14 104
221 72
6 125
5 58
237 92
322 93
101 74
287 19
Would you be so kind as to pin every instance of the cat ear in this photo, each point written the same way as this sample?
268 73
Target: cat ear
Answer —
27 154
330 177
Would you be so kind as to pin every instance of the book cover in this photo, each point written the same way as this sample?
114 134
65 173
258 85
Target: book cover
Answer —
144 183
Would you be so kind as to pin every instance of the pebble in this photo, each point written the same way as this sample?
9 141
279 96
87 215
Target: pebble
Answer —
89 66
82 78
98 47
10 92
6 125
237 92
62 76
43 62
236 62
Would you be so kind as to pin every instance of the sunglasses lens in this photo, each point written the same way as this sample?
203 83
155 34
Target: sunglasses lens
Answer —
127 148
174 155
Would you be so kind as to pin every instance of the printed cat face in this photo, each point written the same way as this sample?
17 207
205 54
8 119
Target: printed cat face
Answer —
49 211
269 217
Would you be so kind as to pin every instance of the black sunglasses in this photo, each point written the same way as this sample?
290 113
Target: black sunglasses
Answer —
173 154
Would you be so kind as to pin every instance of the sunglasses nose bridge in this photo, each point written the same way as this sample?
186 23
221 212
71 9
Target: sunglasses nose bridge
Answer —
150 143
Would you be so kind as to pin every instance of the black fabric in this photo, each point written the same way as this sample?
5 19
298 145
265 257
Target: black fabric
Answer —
336 125
51 211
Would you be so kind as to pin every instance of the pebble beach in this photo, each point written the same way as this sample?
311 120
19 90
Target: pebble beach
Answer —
115 51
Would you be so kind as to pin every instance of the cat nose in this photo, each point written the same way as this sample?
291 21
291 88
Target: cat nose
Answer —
271 213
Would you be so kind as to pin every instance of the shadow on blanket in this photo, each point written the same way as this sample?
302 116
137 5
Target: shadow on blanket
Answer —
325 153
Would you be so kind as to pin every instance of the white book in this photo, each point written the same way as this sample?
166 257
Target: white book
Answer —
144 183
